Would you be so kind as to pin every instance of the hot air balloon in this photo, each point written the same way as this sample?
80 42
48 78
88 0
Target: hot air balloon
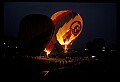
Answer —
35 32
68 26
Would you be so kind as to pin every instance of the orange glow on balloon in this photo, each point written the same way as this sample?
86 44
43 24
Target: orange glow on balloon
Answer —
68 26
70 29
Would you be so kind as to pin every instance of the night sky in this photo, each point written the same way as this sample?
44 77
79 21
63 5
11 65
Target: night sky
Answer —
99 19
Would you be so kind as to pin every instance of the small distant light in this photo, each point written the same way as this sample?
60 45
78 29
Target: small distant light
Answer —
112 50
103 47
4 43
86 49
103 50
93 56
16 47
8 46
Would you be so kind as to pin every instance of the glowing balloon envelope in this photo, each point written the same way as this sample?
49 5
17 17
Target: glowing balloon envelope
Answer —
68 26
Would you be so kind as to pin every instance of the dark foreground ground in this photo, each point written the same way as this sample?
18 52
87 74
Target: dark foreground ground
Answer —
17 68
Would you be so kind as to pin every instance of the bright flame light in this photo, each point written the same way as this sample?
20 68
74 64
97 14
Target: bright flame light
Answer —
47 51
65 46
66 43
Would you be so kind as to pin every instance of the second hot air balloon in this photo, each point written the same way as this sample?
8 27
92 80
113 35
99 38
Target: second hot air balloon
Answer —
68 26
